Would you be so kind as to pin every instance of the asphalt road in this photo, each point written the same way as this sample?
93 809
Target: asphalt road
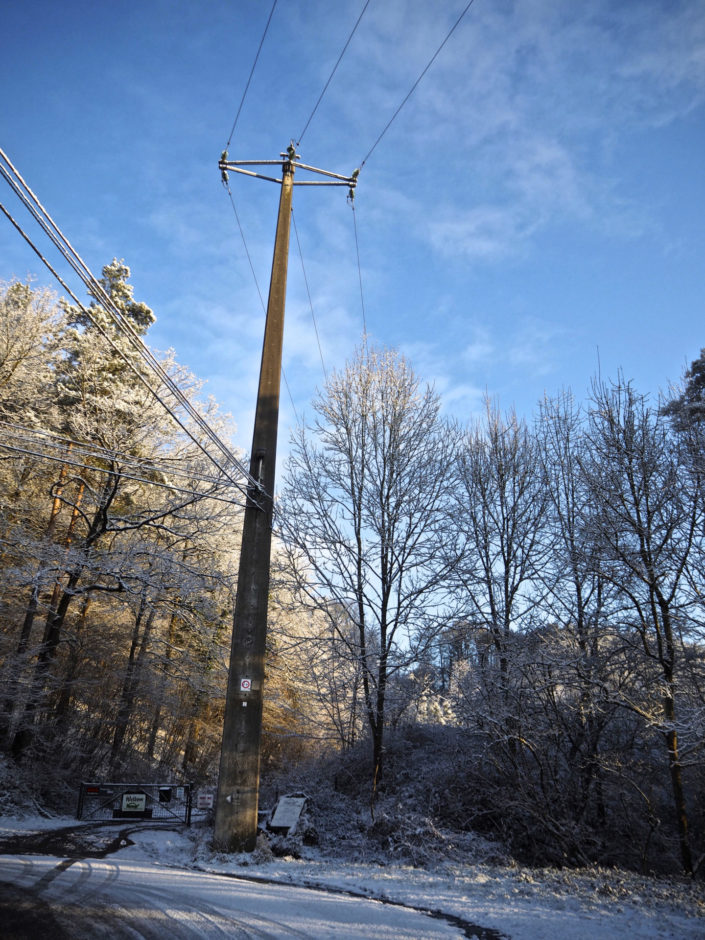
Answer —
74 887
93 898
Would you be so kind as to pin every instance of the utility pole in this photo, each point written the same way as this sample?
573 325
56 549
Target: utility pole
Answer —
238 782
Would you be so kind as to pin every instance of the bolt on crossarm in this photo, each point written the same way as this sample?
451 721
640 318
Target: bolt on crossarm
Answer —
238 783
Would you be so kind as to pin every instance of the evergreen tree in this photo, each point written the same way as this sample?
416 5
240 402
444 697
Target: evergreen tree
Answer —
688 408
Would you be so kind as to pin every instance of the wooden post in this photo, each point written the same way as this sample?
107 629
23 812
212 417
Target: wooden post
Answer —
238 784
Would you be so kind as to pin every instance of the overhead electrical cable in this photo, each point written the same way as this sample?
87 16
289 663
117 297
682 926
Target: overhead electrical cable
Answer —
414 86
69 461
120 352
247 251
97 291
359 275
291 397
252 72
310 302
172 466
330 77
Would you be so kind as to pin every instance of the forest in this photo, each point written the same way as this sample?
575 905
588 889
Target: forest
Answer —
491 627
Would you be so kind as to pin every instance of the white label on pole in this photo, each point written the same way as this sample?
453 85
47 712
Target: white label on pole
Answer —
245 685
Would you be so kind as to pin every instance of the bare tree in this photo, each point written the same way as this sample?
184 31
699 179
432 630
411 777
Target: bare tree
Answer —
578 603
310 651
366 514
500 514
647 528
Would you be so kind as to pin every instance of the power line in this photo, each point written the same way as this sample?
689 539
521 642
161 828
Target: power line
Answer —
291 397
413 87
252 72
67 451
64 444
359 273
123 326
64 460
116 348
247 251
97 291
330 77
310 302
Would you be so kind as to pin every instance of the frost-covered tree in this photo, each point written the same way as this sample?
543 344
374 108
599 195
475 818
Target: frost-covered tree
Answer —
113 546
96 403
313 685
116 569
30 323
648 529
687 407
577 604
367 514
500 514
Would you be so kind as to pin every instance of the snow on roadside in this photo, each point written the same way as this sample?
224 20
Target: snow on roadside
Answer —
10 825
521 903
530 904
518 902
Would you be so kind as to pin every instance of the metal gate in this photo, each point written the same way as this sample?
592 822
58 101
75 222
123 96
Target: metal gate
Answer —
159 801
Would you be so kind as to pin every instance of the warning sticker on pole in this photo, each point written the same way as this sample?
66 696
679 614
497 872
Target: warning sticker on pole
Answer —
245 685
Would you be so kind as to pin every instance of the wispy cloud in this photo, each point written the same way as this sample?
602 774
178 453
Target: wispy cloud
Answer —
534 346
488 233
482 347
531 97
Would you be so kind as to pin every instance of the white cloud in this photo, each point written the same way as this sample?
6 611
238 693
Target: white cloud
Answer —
482 347
528 99
534 346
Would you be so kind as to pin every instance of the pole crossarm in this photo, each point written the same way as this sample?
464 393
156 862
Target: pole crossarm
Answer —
226 166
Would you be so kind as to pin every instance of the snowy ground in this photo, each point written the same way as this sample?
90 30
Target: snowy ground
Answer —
521 903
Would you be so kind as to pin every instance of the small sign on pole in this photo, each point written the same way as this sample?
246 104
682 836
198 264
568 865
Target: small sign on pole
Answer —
245 685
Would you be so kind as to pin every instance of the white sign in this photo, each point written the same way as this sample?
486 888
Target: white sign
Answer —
205 800
287 813
245 685
134 802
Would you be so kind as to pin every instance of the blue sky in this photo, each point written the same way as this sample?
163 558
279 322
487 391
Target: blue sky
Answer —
536 209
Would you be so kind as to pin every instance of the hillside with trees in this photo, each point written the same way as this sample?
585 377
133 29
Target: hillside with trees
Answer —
493 627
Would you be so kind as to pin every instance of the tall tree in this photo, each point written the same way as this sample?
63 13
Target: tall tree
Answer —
113 592
97 402
500 513
30 325
366 511
688 407
577 600
648 526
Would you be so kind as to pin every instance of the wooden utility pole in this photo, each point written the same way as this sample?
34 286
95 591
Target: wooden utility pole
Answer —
238 783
